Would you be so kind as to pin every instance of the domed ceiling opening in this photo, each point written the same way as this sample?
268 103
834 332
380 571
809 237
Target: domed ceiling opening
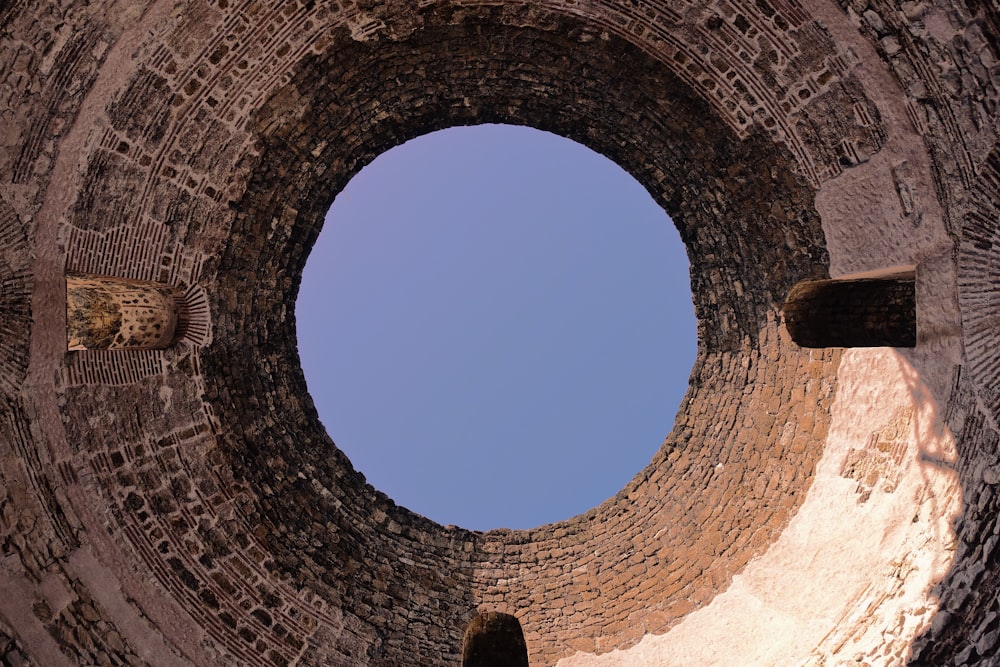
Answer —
496 326
710 499
711 496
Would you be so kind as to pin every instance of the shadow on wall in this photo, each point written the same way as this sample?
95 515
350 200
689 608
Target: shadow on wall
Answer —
952 590
938 463
494 639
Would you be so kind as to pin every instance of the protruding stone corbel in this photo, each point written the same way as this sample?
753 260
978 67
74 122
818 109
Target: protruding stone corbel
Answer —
106 313
872 309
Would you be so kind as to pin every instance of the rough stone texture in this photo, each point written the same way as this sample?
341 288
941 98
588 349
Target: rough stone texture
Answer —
185 506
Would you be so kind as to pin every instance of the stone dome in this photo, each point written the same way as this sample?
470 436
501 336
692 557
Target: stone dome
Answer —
182 504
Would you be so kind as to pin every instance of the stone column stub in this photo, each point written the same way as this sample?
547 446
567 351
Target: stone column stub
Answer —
871 309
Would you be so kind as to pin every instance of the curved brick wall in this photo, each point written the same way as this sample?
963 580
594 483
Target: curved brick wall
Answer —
185 506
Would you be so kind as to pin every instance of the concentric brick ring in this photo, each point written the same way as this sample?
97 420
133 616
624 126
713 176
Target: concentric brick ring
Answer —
706 505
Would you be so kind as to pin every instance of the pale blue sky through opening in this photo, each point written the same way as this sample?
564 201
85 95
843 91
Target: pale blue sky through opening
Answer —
496 326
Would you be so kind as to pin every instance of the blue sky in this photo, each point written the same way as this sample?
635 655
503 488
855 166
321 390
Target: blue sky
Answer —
496 326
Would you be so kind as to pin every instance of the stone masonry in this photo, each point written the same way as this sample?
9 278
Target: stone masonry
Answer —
185 506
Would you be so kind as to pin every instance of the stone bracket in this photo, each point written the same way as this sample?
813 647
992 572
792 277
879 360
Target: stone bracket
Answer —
874 309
